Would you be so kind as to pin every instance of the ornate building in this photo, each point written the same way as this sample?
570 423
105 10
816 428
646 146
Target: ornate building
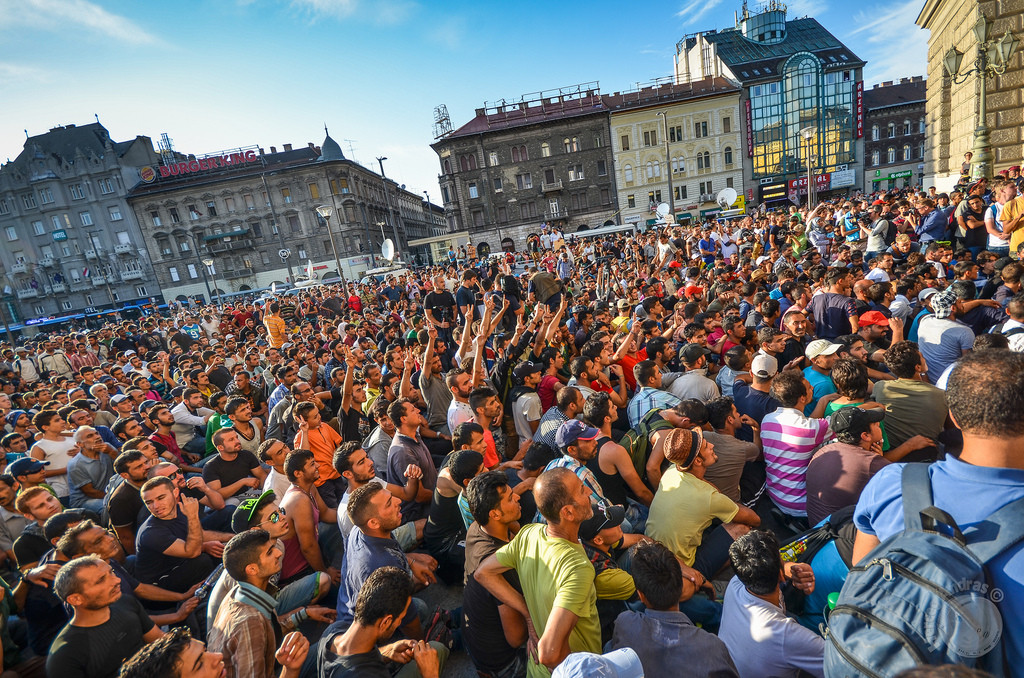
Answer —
894 121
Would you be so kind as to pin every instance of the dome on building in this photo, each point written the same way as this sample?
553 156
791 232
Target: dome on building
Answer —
330 150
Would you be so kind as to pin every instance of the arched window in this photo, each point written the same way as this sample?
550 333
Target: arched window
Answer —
728 155
567 145
920 150
906 152
892 130
627 172
906 128
890 154
875 157
515 154
523 155
657 169
680 165
650 170
447 166
545 150
874 132
703 161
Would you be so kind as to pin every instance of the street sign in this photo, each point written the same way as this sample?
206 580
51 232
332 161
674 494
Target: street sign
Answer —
284 254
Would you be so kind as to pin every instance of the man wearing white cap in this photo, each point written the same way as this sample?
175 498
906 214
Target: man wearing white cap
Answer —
821 353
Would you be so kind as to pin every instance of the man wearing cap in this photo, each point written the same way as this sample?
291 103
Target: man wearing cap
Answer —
694 382
526 407
29 472
578 444
821 353
942 339
604 542
685 506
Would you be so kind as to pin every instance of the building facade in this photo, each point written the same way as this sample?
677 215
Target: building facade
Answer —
676 144
71 244
952 108
545 159
243 220
894 120
795 76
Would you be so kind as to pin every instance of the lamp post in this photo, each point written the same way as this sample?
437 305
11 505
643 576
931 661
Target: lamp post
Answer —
326 211
208 265
95 242
993 58
808 134
668 170
203 263
387 202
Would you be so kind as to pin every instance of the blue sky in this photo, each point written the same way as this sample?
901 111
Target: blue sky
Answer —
228 73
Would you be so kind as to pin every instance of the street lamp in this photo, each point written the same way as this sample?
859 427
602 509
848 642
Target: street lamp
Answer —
387 202
208 266
326 211
668 170
993 58
808 134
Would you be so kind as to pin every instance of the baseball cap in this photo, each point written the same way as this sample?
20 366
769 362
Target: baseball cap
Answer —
691 353
572 431
926 292
523 370
621 663
26 465
623 303
129 352
820 347
682 445
119 398
604 517
873 318
855 420
764 366
241 519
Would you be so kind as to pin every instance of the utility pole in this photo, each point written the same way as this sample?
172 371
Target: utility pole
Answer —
387 201
668 170
277 224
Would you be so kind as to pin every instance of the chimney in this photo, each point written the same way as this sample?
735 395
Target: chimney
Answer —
287 147
273 149
479 112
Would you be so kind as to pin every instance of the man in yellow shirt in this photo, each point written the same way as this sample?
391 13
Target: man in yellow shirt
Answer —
1012 218
685 505
276 329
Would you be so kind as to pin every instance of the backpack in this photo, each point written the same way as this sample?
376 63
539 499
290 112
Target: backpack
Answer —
890 234
637 440
545 286
920 597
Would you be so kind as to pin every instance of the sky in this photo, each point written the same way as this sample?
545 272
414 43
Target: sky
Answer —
221 74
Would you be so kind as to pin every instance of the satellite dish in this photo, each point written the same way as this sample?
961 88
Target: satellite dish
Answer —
273 288
663 209
726 197
387 250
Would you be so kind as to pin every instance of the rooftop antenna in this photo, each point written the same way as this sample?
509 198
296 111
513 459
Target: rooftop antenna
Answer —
351 149
97 116
325 130
26 134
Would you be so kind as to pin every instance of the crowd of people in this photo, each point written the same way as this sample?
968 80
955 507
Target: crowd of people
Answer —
605 447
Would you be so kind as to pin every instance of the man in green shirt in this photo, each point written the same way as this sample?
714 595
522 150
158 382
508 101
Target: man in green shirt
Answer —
559 598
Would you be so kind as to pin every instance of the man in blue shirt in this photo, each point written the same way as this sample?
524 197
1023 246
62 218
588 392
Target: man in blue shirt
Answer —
932 224
985 394
709 247
821 353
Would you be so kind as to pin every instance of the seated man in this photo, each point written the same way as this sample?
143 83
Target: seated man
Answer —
29 473
306 551
385 600
105 628
38 505
762 640
407 447
90 470
234 473
357 467
124 506
685 506
444 534
663 637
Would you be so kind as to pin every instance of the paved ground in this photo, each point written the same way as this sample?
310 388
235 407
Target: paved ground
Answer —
450 597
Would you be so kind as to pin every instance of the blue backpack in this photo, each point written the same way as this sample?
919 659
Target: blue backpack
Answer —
921 597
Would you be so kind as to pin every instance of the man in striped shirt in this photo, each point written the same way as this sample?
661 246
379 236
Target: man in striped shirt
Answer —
649 396
789 439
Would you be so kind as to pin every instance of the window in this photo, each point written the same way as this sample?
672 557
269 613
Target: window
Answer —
892 130
250 204
502 214
703 161
76 192
874 132
155 216
627 173
524 181
473 192
66 251
598 140
653 170
549 176
193 213
680 192
302 253
38 228
651 138
314 192
624 142
46 195
700 129
286 195
726 124
678 165
675 133
211 207
12 233
575 172
173 271
920 150
572 145
141 291
875 158
4 207
66 305
77 277
545 150
106 186
57 223
293 224
890 154
606 196
85 218
183 245
175 219
920 128
727 154
906 128
29 201
257 229
115 213
494 159
497 184
631 200
478 218
192 272
906 152
705 188
123 238
445 197
602 168
728 182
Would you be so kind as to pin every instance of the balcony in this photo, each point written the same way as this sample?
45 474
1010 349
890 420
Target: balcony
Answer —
561 213
237 273
19 267
98 280
132 274
548 187
124 248
229 245
47 262
91 254
58 288
28 293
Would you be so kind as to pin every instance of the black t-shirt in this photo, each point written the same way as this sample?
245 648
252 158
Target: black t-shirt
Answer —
230 472
366 665
440 305
30 546
466 296
975 237
99 651
350 423
124 505
482 631
220 378
44 612
153 566
527 503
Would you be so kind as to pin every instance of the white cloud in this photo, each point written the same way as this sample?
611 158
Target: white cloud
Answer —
387 12
62 15
893 45
811 8
695 10
11 73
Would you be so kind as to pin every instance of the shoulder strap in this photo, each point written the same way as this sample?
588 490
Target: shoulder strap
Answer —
917 494
1013 331
999 532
